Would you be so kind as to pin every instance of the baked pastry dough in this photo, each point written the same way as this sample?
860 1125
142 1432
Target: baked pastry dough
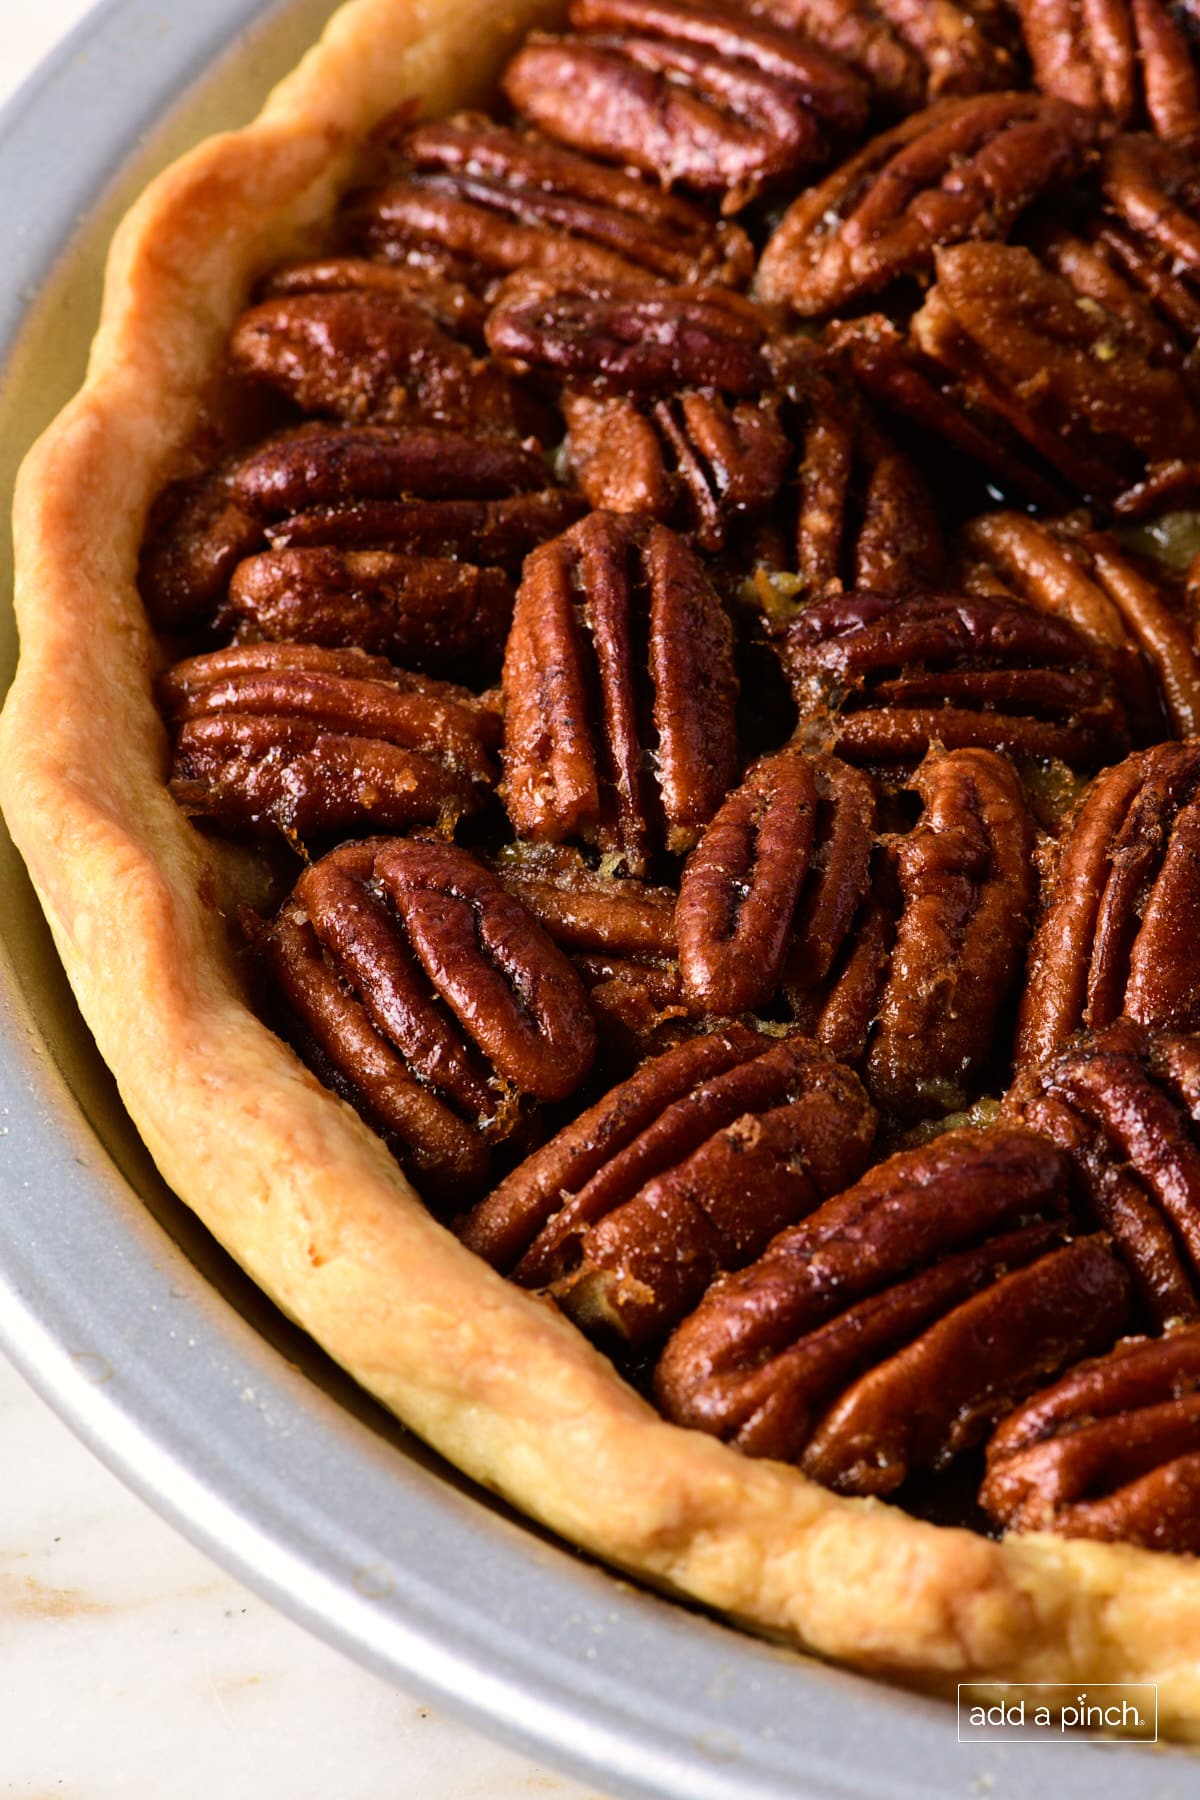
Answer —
287 1176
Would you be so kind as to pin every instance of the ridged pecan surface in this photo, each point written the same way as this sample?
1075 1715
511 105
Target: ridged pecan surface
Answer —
618 932
907 50
1111 1451
369 357
693 460
619 693
891 1328
963 169
701 97
1063 567
1120 933
775 881
197 535
1072 381
319 465
1125 1104
686 1169
497 533
882 677
301 739
430 997
865 515
633 338
492 200
424 612
1120 58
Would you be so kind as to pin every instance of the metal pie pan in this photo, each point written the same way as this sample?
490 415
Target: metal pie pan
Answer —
162 1356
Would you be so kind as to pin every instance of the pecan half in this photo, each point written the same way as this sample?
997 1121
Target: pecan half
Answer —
1071 380
886 676
1150 227
1119 936
962 169
951 422
1111 1451
688 1168
197 535
1125 1103
906 50
455 307
619 693
424 612
1063 567
700 97
866 517
619 933
626 337
331 466
499 200
665 408
1119 58
365 356
488 532
777 878
895 1325
433 1000
967 892
302 739
695 461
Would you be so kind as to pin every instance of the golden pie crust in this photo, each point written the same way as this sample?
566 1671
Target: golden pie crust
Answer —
285 1175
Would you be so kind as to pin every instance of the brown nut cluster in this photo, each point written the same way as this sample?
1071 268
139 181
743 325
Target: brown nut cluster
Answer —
963 169
619 693
429 997
882 677
1122 59
301 740
1073 381
366 356
1135 253
687 1169
806 612
914 987
1063 567
1060 367
865 515
1119 936
481 200
699 96
1112 1451
888 1331
908 54
904 968
404 542
665 401
1125 1104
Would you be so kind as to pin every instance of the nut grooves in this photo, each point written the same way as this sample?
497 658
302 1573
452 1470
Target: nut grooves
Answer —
691 593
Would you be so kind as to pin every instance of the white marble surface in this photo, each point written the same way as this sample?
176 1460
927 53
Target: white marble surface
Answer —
131 1667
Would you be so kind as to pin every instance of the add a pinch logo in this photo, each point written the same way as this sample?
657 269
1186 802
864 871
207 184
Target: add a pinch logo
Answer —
992 1712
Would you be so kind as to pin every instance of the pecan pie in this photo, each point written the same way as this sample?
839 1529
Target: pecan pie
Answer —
609 729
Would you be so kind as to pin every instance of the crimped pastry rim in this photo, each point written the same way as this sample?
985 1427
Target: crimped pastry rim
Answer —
285 1175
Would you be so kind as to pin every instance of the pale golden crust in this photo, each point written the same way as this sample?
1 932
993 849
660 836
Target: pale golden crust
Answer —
284 1174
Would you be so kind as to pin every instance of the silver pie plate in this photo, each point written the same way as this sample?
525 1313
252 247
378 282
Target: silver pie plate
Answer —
154 1347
